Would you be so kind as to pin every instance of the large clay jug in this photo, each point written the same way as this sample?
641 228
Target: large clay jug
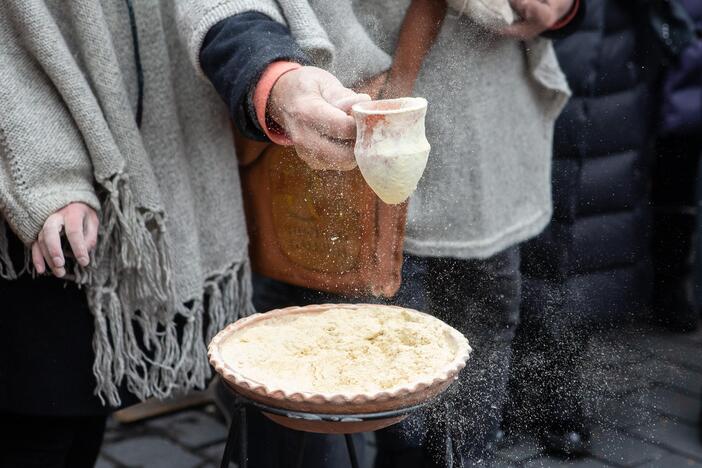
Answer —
391 147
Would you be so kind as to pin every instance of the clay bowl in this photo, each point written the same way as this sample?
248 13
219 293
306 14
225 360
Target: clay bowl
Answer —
334 412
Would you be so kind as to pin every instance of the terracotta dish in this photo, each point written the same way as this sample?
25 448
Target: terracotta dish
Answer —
312 382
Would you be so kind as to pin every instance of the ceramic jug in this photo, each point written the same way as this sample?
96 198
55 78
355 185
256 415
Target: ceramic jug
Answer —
391 147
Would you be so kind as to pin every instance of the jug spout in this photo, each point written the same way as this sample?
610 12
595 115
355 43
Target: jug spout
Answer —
391 146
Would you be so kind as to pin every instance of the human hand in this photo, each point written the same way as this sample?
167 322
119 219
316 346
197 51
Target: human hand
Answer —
312 107
80 224
536 16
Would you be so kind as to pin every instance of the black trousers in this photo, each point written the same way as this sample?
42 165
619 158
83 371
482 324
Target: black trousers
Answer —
545 383
49 417
50 441
481 299
673 197
478 297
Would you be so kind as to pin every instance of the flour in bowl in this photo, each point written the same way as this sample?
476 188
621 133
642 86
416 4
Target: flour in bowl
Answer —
368 349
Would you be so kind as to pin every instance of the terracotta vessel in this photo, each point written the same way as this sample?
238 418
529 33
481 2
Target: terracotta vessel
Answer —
391 147
340 404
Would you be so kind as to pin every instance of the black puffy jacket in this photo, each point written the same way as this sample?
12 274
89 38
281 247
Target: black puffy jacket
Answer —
596 248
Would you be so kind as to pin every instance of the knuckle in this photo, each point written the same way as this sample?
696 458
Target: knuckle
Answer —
73 230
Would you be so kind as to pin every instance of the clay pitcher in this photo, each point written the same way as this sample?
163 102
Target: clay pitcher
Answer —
391 147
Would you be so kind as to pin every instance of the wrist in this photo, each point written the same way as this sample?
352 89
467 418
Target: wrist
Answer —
266 113
566 16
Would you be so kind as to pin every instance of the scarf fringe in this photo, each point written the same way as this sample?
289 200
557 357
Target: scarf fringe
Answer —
143 339
7 269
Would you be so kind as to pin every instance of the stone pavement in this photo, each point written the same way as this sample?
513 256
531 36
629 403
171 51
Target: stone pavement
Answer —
643 398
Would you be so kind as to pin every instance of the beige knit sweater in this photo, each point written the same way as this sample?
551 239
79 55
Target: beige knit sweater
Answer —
493 102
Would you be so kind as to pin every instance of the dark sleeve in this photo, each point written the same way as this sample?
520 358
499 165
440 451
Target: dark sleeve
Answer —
572 26
235 53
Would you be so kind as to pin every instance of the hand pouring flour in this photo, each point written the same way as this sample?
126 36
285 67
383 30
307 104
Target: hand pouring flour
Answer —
391 148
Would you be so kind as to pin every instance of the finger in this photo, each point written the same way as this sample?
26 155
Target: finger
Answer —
45 252
521 30
326 119
332 90
52 242
541 15
38 259
321 153
534 11
346 103
75 220
91 230
519 7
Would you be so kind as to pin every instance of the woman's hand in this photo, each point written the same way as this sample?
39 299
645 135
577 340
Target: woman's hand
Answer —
79 222
312 107
536 16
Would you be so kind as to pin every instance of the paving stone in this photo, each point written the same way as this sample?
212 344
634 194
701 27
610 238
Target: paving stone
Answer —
103 463
192 428
620 412
622 449
673 376
680 378
522 449
695 337
127 431
625 353
213 452
673 435
677 405
677 351
691 383
501 463
151 452
551 462
607 380
672 461
111 423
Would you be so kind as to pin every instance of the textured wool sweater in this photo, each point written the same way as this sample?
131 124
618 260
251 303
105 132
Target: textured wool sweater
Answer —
492 105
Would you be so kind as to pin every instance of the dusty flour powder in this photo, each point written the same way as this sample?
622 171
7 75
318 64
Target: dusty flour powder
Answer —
341 350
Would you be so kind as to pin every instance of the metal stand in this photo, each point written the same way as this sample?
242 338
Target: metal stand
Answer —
237 433
238 429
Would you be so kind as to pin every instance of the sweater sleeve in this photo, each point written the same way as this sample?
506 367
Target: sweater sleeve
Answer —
234 55
195 18
44 164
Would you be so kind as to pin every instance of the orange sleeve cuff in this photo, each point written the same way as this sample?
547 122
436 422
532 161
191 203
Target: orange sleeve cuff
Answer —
260 99
568 17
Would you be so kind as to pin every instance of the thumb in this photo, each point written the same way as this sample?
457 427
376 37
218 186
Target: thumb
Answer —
346 103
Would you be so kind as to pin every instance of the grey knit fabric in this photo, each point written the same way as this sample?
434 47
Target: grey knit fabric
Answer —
492 105
172 245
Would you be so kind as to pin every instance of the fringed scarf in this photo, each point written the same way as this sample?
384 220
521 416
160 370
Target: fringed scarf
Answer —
170 268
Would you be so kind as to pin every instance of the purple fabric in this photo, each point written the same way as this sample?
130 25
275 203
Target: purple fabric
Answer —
682 88
694 8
